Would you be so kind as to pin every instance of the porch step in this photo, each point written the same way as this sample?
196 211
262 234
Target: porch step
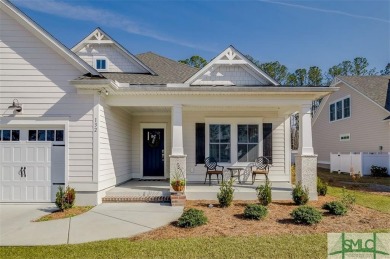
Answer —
141 198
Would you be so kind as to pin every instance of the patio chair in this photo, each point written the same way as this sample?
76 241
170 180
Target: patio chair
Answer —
211 169
262 167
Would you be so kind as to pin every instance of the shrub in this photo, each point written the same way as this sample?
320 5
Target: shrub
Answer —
378 171
322 187
306 215
347 199
335 208
300 194
225 195
293 173
264 193
65 199
192 218
255 211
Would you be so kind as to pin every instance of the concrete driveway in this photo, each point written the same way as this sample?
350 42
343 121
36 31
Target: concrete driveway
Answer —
105 221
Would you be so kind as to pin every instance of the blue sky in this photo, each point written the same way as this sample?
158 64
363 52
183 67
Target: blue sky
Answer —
299 34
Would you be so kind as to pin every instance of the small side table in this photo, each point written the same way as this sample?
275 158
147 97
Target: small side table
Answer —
235 172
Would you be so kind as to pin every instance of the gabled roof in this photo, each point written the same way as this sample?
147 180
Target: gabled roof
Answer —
167 71
98 36
231 56
46 37
376 88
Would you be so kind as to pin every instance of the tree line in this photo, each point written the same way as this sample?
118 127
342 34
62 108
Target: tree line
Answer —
314 76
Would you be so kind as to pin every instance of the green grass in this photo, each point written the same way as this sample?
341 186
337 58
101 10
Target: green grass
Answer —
286 246
335 178
365 199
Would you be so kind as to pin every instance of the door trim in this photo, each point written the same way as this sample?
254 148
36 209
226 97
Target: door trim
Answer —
152 126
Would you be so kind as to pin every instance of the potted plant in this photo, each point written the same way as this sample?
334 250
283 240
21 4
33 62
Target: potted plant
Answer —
177 181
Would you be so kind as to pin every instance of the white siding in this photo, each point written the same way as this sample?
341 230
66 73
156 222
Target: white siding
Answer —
227 75
114 146
366 125
117 62
39 78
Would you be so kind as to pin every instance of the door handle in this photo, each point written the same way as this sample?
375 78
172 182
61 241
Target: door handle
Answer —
24 171
21 171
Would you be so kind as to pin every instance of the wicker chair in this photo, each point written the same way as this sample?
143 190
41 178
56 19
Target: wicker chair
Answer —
262 167
211 169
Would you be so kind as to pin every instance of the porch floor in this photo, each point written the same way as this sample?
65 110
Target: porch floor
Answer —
196 190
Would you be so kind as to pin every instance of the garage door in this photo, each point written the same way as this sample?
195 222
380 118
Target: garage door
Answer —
25 172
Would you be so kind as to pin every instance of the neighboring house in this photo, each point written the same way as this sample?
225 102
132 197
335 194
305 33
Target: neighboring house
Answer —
98 116
354 119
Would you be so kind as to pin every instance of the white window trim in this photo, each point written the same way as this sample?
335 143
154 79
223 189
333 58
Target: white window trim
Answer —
345 135
95 58
342 109
233 122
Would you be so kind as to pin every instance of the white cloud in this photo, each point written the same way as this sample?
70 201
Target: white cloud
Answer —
101 17
326 11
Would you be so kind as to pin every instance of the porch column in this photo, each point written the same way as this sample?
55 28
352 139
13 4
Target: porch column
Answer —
177 159
306 160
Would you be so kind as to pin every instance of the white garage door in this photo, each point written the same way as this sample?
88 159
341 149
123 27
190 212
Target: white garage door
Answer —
25 172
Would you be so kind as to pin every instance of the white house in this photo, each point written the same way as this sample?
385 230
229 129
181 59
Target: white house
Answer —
354 119
96 116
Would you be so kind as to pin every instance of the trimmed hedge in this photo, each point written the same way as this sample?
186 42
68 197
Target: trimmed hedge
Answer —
255 211
306 215
192 218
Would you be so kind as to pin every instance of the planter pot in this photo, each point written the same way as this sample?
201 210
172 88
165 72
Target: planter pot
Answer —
178 188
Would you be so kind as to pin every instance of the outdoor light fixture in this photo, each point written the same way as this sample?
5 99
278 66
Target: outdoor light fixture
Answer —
103 91
15 105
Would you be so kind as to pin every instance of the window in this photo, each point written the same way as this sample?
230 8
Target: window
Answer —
247 143
332 112
345 137
101 64
9 135
340 109
46 135
220 142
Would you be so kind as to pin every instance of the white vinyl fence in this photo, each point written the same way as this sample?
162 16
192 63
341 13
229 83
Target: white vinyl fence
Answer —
358 162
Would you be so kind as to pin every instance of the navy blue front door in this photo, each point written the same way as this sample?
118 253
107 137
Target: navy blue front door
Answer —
153 153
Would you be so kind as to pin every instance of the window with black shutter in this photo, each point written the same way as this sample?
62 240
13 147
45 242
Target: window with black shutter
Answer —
200 143
267 141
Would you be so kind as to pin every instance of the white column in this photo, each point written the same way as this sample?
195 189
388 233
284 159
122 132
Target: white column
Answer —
305 132
177 130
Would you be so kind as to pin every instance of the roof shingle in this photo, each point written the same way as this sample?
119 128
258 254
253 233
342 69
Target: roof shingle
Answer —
167 70
377 88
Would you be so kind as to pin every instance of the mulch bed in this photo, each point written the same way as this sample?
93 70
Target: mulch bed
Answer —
65 214
230 221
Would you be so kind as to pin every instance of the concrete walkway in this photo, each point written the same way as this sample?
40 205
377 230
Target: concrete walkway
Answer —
106 221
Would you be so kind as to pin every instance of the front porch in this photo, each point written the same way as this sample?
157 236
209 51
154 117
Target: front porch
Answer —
139 190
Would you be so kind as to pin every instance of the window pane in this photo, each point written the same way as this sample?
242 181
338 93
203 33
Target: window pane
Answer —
332 112
225 133
103 64
214 132
347 109
32 135
253 131
253 152
0 136
224 153
50 135
242 132
339 110
15 135
214 151
59 135
6 135
242 150
41 135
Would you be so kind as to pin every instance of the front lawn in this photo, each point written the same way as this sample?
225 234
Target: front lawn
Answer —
340 179
369 200
284 246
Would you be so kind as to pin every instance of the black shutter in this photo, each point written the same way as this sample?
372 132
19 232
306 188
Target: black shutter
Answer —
267 141
200 142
